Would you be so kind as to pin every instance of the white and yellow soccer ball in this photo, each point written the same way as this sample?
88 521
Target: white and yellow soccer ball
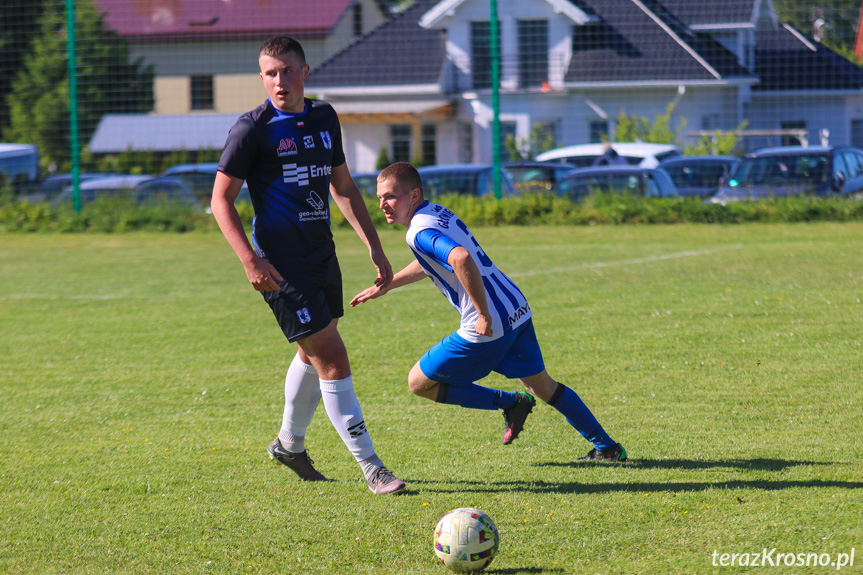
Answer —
466 540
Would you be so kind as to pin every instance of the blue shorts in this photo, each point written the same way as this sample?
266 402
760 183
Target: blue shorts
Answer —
457 361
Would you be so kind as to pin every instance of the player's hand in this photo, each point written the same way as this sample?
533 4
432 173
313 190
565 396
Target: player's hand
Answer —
262 275
367 294
383 267
483 326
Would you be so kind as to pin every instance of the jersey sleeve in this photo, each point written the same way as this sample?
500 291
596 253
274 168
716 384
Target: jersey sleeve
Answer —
338 150
239 151
435 245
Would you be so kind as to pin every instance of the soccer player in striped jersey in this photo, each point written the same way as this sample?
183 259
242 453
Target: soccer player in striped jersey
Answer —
496 331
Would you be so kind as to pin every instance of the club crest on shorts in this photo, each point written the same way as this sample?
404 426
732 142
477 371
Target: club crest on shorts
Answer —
304 315
327 140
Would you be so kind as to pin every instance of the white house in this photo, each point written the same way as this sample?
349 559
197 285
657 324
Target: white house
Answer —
418 86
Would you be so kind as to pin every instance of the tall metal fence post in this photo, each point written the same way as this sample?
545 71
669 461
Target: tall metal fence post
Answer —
73 104
494 34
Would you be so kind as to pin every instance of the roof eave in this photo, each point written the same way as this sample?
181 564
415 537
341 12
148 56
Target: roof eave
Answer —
412 89
730 26
662 83
807 93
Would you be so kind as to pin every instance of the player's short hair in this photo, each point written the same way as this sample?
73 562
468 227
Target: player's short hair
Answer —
403 173
280 45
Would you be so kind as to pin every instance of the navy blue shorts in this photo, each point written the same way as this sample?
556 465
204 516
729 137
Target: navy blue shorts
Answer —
458 362
303 310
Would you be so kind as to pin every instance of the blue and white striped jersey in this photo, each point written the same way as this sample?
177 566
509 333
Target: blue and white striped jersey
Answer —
507 305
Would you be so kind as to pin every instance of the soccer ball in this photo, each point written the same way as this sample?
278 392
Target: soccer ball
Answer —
466 539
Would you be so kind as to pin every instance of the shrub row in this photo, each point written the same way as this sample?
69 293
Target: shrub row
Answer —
116 216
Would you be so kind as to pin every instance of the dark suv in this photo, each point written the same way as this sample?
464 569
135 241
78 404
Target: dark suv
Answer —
793 170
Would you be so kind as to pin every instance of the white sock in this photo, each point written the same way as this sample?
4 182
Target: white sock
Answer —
344 411
302 394
370 465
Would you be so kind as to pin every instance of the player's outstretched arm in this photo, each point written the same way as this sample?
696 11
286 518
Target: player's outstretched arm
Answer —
350 201
262 275
411 273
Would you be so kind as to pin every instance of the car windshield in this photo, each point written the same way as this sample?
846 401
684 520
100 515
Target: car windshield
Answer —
784 169
585 184
705 175
451 183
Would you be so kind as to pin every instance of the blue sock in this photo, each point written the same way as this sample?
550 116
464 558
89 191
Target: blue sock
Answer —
580 417
473 396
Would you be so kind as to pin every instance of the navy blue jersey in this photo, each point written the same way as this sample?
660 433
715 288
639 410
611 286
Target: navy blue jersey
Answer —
286 160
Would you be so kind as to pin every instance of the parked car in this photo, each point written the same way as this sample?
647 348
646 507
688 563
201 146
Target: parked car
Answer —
143 189
199 177
646 182
470 179
165 189
637 153
19 166
794 170
367 182
699 176
51 186
532 175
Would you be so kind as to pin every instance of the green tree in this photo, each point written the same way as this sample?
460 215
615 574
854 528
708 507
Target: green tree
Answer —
383 159
540 140
19 24
718 143
838 18
641 129
107 83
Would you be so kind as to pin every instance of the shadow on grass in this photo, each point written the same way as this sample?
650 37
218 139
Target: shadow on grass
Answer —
541 486
462 486
522 570
748 464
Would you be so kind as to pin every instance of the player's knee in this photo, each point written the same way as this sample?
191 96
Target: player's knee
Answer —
415 386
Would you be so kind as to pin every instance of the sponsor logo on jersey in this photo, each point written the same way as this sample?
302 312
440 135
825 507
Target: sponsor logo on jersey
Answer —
287 147
294 174
308 142
519 313
315 200
304 315
327 140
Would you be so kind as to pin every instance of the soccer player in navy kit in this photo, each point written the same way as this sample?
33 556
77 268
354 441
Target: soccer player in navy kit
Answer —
289 152
496 332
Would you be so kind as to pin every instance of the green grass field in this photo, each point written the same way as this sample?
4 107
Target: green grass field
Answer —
142 379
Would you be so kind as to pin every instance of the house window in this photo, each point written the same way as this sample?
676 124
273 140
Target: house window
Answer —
710 122
400 139
857 133
480 51
789 140
429 144
358 19
465 140
202 92
507 130
532 52
597 131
